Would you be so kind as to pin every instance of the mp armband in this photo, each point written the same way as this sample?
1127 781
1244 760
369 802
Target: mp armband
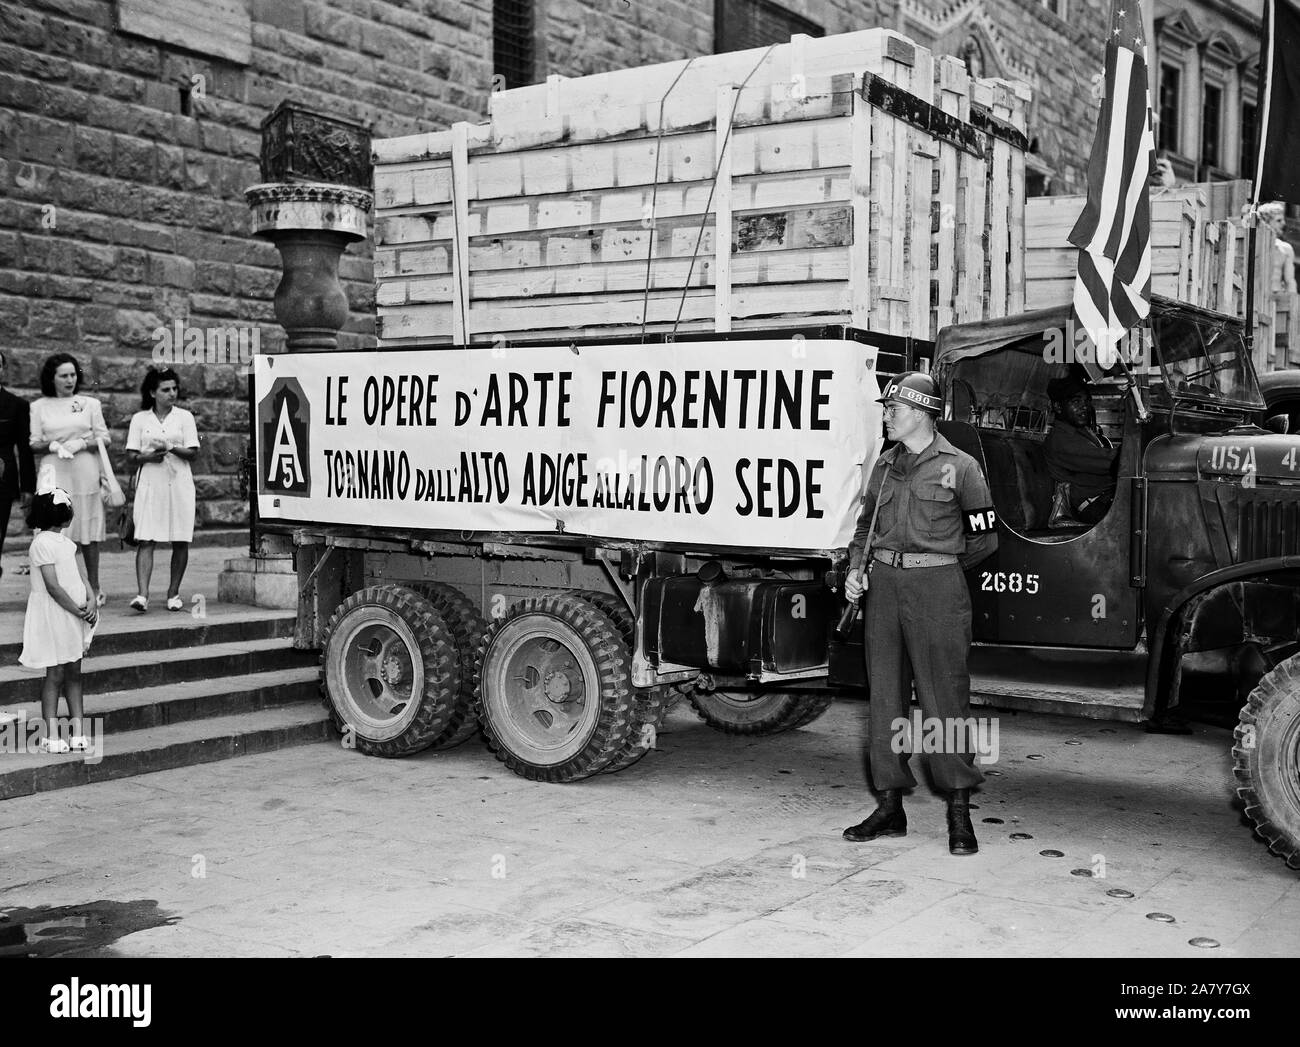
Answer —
979 521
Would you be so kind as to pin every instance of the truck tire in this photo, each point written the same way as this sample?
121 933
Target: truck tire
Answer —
651 702
554 696
468 628
1266 760
749 712
389 671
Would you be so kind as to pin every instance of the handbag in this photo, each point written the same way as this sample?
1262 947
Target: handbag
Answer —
126 515
109 489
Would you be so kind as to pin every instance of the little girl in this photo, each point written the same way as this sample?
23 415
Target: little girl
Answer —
60 617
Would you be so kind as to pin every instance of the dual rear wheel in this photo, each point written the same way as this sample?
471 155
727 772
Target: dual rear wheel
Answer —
409 668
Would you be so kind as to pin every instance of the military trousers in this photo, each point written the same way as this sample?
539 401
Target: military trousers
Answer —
918 632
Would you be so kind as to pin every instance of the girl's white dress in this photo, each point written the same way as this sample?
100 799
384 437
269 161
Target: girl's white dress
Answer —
65 418
52 636
164 494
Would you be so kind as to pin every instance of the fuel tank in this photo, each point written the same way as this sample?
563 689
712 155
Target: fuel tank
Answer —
758 628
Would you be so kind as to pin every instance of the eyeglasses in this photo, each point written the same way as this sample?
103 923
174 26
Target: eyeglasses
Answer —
891 409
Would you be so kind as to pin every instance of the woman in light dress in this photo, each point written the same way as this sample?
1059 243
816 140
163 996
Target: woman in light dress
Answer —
65 423
161 443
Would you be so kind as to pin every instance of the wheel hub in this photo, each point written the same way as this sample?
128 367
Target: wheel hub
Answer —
558 686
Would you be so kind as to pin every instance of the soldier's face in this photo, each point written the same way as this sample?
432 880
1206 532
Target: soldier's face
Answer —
901 421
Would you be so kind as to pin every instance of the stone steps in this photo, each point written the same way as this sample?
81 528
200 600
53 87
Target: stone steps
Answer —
164 691
165 747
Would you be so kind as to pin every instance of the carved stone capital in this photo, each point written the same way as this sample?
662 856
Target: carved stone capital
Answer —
280 207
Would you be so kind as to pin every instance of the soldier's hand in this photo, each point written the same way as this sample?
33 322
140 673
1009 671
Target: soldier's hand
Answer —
855 584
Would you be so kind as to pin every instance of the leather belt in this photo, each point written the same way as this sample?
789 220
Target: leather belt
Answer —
895 559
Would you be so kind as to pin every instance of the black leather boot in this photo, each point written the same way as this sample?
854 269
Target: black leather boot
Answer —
961 834
887 819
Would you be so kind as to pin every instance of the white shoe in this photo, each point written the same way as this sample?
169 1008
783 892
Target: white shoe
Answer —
54 746
140 604
79 743
175 604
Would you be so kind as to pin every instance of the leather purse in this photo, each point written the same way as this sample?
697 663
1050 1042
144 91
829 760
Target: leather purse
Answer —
126 515
109 489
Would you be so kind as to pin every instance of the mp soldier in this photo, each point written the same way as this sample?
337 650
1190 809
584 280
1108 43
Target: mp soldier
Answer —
933 518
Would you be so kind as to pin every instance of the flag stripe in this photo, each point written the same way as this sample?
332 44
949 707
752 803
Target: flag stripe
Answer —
1270 35
1113 289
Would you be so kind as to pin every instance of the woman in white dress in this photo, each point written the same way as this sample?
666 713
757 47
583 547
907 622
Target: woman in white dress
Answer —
65 423
162 442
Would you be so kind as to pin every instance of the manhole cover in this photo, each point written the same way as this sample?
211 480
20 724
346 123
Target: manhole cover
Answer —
1052 854
1034 756
1073 741
1160 917
995 774
992 821
1021 836
1081 872
1119 892
1203 943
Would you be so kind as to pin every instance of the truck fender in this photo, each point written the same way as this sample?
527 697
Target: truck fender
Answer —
1166 649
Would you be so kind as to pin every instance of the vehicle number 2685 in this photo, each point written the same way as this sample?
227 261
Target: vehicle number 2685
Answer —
1008 582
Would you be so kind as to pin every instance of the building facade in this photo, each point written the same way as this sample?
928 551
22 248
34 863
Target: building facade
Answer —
130 128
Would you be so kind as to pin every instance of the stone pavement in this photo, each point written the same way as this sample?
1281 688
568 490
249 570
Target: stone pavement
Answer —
710 846
117 576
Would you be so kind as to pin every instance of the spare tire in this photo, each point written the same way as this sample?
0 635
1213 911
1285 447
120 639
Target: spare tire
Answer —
759 712
467 628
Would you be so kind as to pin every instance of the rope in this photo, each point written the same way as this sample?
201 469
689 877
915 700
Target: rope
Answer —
654 198
712 187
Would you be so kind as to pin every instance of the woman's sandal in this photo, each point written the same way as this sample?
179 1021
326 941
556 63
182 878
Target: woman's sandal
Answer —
140 604
53 746
175 603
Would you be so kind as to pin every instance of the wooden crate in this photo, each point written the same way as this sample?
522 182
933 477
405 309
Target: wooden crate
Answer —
1199 246
840 197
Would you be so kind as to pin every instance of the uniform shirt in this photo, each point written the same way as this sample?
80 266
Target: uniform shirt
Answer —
922 509
1081 458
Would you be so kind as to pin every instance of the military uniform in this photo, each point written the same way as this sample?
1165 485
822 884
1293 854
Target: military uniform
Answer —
918 621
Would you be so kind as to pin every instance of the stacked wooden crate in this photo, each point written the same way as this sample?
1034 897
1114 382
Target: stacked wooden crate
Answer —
801 183
1199 247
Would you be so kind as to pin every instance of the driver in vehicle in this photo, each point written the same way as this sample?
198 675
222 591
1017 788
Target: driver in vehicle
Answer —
1080 459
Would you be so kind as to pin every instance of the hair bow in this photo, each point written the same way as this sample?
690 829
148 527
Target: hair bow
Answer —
45 485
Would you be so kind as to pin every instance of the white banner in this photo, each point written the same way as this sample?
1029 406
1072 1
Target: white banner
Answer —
742 444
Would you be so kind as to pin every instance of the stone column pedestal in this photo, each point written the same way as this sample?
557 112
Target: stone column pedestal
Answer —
311 225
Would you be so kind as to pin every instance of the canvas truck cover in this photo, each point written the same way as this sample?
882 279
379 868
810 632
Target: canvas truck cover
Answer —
755 445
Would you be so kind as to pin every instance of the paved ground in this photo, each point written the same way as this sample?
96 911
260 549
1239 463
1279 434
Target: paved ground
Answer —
710 846
117 576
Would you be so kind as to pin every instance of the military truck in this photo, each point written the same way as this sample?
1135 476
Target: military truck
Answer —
550 285
1196 566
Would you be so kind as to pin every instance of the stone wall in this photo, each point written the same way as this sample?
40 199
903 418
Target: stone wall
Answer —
120 213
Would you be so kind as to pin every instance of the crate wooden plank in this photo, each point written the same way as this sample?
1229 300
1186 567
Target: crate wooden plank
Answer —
924 152
414 321
999 203
827 226
816 265
768 300
725 97
460 240
860 194
764 148
952 85
597 207
1016 206
900 73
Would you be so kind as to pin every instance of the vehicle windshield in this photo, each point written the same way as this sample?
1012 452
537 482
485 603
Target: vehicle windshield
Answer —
1203 360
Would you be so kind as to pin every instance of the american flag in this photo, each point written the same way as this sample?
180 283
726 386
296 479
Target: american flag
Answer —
1112 292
